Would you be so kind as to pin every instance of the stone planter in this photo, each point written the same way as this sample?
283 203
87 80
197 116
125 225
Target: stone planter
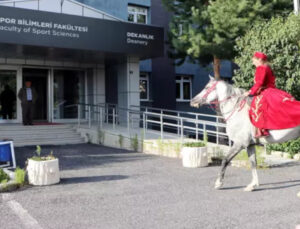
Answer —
43 172
193 157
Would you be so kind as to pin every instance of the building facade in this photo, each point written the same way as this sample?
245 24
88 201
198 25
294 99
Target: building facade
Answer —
113 52
162 85
72 52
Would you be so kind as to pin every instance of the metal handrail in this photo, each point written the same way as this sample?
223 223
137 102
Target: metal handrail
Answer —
111 113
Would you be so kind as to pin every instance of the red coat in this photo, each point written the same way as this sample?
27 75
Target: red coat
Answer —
272 108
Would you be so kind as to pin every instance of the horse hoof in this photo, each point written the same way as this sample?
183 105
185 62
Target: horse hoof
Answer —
218 185
250 188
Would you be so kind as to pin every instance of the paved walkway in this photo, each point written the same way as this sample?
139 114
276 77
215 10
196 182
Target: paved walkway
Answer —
108 188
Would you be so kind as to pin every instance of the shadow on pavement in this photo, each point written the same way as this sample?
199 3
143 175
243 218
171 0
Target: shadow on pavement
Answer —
91 179
282 185
80 156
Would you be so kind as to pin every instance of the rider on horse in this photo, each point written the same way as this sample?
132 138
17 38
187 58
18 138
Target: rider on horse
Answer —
271 108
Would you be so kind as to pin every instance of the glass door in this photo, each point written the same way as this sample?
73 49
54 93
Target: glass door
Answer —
68 91
9 87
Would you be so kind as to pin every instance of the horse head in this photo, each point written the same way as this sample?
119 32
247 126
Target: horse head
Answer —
207 95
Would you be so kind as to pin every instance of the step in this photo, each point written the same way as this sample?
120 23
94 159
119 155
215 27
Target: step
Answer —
56 142
20 127
41 135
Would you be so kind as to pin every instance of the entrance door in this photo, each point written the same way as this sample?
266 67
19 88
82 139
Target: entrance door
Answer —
68 91
39 80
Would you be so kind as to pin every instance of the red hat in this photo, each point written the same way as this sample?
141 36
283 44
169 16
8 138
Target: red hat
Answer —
260 55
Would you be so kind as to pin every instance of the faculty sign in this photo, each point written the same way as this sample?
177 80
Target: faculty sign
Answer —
39 28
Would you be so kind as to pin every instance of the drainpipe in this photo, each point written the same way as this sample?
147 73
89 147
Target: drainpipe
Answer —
61 5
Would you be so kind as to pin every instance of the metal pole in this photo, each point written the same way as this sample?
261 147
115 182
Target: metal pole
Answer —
217 131
128 122
197 127
146 120
78 107
178 130
90 124
114 124
181 129
204 130
161 127
296 7
101 117
145 125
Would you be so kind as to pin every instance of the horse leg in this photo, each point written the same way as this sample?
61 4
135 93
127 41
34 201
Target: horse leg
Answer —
252 158
234 150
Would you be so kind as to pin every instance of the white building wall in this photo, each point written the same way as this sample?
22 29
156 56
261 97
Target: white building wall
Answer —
128 86
99 82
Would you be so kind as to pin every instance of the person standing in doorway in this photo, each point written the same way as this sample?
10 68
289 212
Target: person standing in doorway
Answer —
28 96
7 101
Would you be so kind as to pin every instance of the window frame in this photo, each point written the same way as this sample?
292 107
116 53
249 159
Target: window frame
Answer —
144 76
181 82
136 13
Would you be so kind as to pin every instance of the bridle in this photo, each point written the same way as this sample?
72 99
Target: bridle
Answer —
219 102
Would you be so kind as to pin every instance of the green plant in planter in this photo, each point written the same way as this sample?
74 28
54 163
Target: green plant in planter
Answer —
38 156
121 140
134 143
4 178
194 144
20 176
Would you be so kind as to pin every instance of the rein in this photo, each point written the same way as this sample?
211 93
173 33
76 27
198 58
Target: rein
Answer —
216 102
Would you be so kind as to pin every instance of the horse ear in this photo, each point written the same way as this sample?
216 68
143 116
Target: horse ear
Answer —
210 77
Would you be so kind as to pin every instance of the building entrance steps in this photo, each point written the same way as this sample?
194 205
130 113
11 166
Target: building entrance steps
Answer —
40 134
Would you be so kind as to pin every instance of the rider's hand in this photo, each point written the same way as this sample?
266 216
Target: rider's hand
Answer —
247 93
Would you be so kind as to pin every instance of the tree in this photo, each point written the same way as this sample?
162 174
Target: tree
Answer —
279 38
205 31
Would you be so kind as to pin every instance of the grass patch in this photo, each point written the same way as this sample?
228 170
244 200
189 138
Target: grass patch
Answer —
194 144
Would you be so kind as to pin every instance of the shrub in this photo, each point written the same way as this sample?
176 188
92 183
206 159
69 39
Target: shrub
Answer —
3 177
291 147
279 39
20 176
194 144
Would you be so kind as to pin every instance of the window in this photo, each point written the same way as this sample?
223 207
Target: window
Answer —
137 14
183 88
144 86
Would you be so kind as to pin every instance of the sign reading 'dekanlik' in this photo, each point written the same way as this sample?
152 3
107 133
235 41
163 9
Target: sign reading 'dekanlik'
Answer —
38 28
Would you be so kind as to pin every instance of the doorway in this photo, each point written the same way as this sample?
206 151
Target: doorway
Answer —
39 80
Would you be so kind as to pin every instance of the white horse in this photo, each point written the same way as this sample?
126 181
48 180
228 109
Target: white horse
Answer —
238 125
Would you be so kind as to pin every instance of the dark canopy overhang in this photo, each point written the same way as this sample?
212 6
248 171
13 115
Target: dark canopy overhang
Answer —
33 34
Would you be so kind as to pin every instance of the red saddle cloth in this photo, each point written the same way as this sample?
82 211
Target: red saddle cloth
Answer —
275 109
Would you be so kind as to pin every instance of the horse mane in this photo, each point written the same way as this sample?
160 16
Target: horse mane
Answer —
231 90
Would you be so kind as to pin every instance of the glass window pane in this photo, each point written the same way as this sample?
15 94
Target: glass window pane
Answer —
177 90
143 89
141 19
186 90
131 17
131 9
68 92
178 77
8 94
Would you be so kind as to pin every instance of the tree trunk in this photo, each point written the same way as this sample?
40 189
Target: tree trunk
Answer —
217 67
